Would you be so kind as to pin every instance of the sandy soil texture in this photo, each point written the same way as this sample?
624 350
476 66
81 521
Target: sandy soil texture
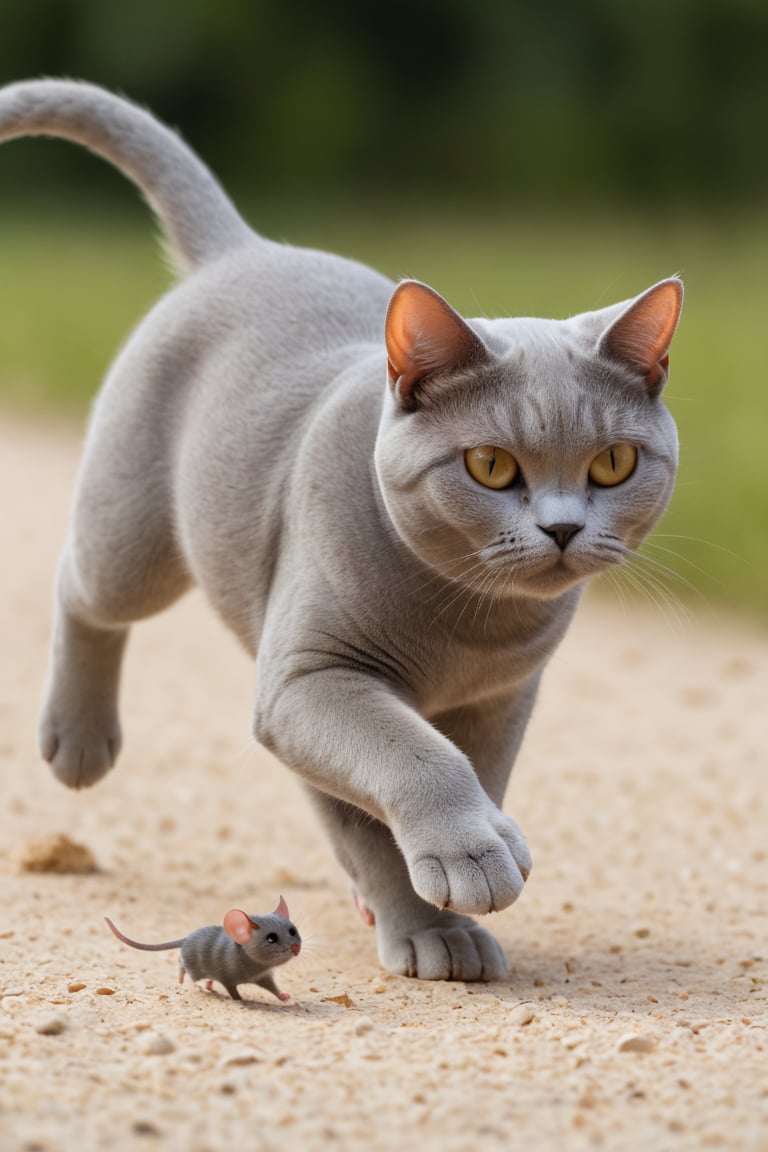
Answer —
635 1016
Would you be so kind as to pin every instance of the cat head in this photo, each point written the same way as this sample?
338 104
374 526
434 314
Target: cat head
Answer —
540 448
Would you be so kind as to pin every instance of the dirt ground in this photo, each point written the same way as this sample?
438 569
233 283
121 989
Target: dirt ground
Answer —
635 1016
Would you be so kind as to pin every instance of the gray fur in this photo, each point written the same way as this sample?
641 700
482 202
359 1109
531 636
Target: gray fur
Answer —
247 440
210 953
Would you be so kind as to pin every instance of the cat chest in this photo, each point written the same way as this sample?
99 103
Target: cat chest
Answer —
459 672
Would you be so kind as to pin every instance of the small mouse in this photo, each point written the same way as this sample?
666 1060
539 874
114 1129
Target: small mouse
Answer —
241 951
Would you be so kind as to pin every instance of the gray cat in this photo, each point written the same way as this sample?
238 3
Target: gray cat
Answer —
393 508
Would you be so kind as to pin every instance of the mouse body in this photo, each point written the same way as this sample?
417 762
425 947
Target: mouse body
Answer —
242 950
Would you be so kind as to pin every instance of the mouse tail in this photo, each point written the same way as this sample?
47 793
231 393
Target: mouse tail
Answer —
199 220
143 947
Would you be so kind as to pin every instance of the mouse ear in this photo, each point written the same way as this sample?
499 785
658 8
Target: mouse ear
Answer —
238 926
282 909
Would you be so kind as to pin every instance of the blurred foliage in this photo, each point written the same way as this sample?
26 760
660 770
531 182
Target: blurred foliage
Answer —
495 99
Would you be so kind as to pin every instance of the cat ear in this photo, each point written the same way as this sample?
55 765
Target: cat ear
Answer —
238 926
423 335
641 336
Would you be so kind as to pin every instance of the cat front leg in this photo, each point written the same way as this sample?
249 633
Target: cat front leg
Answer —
413 937
352 737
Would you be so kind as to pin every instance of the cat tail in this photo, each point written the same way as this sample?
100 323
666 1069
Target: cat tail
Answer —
198 219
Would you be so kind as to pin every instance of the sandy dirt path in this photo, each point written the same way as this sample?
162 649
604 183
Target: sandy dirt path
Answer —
635 1016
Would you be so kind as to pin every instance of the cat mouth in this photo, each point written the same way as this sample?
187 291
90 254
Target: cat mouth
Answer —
556 575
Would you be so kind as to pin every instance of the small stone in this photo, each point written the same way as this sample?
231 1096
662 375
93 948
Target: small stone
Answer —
285 877
345 1000
105 991
364 1025
51 1025
632 1042
156 1045
145 1128
56 854
521 1015
76 986
240 1059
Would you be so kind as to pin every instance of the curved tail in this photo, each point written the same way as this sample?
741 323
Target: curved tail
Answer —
144 947
197 216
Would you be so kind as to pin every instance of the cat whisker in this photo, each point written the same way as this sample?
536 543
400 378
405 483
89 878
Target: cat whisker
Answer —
650 585
504 578
439 573
694 540
485 591
650 544
647 581
665 571
466 589
612 578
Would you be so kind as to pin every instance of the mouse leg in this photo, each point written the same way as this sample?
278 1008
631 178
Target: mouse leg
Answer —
270 985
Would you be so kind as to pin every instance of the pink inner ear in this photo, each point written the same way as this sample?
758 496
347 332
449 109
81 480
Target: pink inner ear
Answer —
238 926
423 333
282 909
642 336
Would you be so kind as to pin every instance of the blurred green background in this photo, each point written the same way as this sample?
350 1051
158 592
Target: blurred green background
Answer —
538 159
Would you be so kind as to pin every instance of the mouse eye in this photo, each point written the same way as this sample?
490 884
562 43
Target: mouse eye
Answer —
272 938
292 932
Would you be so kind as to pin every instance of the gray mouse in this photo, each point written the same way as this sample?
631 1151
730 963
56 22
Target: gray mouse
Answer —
240 951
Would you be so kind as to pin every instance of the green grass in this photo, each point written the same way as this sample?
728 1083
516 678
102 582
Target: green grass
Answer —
71 288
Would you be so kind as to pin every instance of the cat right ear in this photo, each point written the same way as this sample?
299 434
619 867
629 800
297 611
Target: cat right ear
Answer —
424 335
641 336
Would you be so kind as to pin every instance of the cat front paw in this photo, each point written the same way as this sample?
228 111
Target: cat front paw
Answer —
481 867
452 948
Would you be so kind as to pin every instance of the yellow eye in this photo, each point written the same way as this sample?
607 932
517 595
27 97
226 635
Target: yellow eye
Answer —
613 466
491 467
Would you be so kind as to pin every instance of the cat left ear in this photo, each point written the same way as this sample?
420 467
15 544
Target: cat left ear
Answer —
641 336
423 335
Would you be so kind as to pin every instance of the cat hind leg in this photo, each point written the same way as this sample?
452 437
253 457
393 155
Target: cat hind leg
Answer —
120 564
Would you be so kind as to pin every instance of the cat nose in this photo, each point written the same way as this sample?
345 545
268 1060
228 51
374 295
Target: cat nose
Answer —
562 534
